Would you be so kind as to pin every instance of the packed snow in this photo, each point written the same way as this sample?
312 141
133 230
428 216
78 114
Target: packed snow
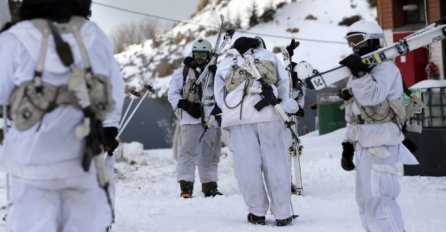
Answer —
147 197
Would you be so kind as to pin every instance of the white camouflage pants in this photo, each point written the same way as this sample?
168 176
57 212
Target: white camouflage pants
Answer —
261 161
62 205
377 188
205 154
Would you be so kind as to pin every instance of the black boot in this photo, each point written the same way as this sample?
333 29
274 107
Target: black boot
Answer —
284 222
348 150
187 189
210 189
256 220
294 189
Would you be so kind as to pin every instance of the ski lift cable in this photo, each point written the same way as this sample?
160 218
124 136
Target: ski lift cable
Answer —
212 27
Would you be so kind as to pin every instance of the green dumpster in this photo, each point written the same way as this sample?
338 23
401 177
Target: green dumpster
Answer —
330 116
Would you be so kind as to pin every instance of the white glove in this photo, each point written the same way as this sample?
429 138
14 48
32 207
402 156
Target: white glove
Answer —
290 106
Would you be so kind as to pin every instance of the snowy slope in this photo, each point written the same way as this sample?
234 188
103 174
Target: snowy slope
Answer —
322 42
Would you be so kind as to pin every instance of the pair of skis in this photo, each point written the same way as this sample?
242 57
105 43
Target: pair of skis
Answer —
295 150
207 75
423 37
218 48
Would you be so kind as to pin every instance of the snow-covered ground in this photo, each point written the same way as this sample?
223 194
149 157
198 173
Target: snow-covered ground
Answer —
147 198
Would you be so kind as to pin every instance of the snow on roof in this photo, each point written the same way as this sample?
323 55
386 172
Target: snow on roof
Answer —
427 84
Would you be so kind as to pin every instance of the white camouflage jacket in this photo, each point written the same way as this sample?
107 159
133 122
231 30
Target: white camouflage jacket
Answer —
231 116
383 82
174 95
50 149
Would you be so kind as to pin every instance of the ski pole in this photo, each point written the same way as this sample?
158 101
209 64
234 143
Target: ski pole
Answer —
149 88
294 86
226 40
217 50
292 211
5 131
137 95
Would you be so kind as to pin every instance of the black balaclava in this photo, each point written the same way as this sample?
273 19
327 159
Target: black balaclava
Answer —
243 44
56 10
372 45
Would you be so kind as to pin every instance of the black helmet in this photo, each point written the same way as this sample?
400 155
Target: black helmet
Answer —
57 10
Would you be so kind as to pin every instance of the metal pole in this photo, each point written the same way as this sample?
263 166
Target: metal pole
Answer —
148 89
136 94
5 131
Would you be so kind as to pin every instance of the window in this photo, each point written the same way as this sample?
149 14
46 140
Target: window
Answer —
414 11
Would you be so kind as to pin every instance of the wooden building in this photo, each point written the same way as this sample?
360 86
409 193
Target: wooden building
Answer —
399 18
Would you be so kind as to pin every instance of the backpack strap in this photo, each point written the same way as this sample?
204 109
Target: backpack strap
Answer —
42 26
185 73
75 25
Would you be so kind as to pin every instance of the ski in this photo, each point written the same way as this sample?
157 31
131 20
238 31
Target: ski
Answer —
423 37
218 48
205 74
296 148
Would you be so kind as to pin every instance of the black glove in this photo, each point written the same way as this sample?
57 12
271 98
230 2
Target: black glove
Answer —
290 48
212 68
300 112
110 142
347 156
217 114
354 63
268 94
190 62
182 104
345 94
194 109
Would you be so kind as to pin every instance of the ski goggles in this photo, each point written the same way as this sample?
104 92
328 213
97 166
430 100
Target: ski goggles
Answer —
200 54
356 39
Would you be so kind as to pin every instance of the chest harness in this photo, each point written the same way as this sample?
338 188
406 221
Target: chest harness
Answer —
32 99
253 69
388 111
